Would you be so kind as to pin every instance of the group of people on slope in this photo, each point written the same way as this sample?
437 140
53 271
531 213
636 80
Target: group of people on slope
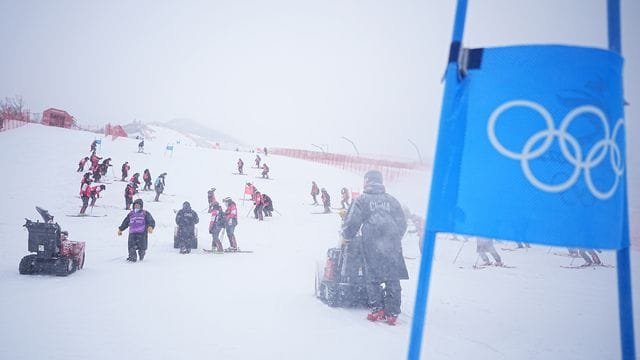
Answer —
345 197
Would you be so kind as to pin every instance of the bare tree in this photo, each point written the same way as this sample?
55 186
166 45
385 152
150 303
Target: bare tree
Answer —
12 108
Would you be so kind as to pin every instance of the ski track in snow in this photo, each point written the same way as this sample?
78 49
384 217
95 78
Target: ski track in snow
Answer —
260 305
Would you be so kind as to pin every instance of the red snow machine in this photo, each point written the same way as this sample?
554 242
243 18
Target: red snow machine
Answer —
341 281
54 253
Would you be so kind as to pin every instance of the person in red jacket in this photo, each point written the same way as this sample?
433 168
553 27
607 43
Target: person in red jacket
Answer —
147 180
265 171
231 221
86 177
125 170
129 191
85 194
81 164
135 180
95 193
257 201
95 159
315 191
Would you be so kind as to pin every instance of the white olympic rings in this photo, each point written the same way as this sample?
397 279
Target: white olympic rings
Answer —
594 156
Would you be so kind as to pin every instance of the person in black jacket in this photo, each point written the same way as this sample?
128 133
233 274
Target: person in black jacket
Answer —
326 200
140 223
267 205
380 219
186 219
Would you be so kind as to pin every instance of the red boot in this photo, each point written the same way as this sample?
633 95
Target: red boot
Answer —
376 315
391 319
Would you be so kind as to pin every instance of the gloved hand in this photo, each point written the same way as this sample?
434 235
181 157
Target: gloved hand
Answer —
149 229
119 232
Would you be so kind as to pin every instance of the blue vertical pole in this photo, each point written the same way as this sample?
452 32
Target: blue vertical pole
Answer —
424 277
625 307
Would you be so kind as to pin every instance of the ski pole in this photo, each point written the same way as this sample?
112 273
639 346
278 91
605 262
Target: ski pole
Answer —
459 250
278 212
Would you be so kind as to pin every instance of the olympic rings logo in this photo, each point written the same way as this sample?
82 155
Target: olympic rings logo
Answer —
594 156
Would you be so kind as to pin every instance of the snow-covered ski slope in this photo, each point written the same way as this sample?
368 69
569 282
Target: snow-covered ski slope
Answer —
261 305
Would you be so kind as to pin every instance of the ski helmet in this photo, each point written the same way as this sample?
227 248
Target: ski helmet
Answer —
139 202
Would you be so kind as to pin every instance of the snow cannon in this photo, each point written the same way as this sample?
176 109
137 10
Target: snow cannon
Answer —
53 252
341 282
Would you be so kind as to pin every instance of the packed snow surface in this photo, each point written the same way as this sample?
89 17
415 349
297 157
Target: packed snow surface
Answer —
261 305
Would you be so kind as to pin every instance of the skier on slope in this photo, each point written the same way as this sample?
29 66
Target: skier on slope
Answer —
135 180
594 260
186 219
85 194
129 191
140 223
326 201
81 164
141 146
240 166
257 210
211 197
104 166
315 191
380 219
344 202
159 186
95 193
94 159
257 161
265 171
125 170
216 225
86 177
484 246
231 219
267 205
96 173
94 146
146 176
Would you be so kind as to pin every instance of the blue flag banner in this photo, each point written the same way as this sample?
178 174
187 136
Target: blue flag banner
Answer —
170 147
532 147
98 141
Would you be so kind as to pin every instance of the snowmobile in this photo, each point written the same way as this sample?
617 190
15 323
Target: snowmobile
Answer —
54 253
341 282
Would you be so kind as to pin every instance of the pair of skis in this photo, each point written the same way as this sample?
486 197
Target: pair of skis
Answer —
211 251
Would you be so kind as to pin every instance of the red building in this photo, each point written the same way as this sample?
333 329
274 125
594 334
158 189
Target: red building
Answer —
55 117
115 131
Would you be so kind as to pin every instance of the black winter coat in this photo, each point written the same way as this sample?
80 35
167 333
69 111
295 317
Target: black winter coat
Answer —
380 218
186 220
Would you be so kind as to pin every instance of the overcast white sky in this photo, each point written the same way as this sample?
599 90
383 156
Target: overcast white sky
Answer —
278 72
